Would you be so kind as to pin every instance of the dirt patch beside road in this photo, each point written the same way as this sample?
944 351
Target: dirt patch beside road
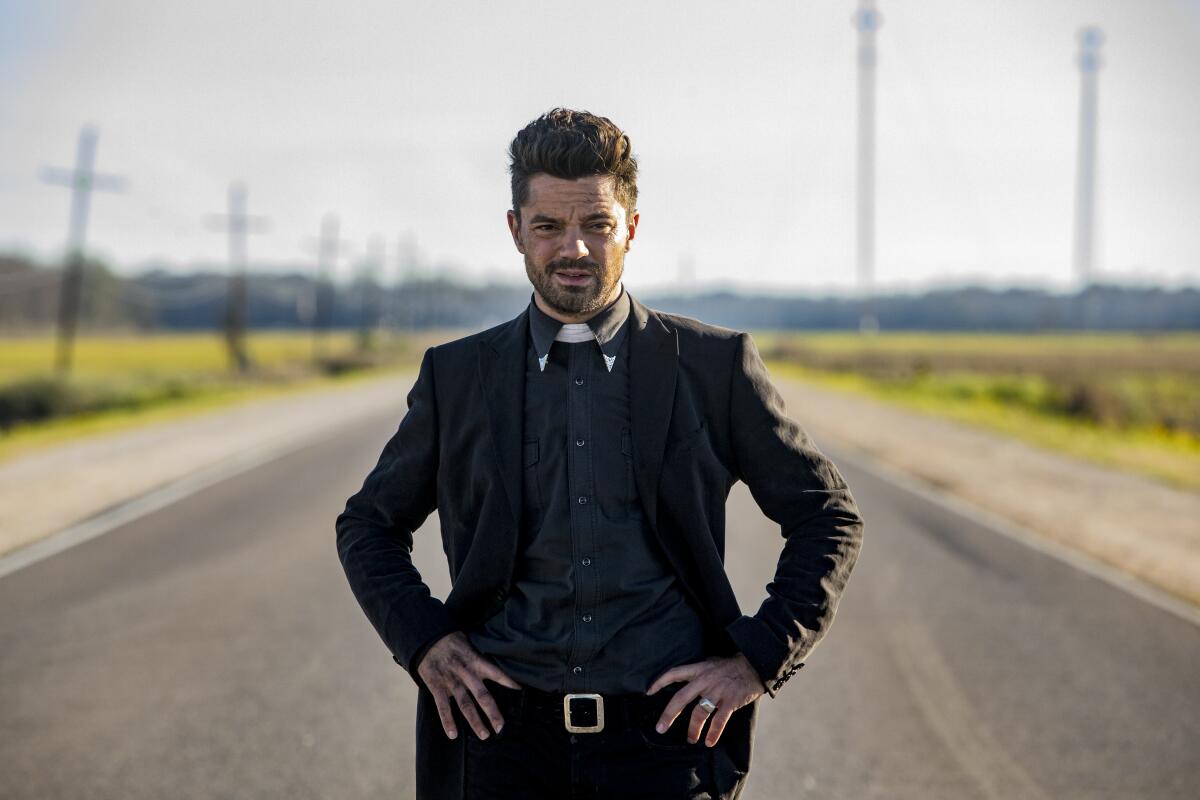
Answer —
1130 522
46 491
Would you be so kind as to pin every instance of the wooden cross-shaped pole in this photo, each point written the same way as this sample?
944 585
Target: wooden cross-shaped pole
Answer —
238 225
82 181
329 248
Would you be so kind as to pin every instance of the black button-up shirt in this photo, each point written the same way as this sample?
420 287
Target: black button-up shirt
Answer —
594 606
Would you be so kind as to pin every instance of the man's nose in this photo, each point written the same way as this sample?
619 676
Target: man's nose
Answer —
572 246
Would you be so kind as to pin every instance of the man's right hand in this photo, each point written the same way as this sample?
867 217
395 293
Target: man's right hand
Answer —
453 669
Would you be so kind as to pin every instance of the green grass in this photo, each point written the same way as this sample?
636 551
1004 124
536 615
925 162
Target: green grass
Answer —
1128 401
1121 400
121 381
158 355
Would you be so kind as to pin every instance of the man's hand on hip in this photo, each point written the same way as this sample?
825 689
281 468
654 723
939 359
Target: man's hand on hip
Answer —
729 683
453 669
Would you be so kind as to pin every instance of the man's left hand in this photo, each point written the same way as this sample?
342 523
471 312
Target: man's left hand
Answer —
730 683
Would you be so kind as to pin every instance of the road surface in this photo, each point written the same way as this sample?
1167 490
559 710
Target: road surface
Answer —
213 649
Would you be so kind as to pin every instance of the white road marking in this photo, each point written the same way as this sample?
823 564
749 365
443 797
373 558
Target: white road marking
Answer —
1019 533
159 498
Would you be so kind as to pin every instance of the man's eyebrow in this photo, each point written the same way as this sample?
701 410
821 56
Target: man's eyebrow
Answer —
607 216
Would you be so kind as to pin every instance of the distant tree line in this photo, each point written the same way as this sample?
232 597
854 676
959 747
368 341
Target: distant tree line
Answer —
1098 307
195 301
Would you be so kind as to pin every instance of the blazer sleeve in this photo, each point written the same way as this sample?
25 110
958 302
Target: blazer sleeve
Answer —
799 488
375 531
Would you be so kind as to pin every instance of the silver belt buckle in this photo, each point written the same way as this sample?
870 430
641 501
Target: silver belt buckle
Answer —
599 726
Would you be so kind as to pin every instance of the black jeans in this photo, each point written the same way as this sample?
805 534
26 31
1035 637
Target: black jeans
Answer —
534 757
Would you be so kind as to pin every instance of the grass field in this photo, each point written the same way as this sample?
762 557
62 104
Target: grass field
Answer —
1125 400
119 381
188 355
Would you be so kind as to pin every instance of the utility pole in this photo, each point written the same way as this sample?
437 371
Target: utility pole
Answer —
389 289
1089 61
368 284
329 249
407 260
393 295
238 225
82 181
867 21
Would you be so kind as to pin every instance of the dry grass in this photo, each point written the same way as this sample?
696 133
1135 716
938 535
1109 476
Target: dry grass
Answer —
1126 400
122 380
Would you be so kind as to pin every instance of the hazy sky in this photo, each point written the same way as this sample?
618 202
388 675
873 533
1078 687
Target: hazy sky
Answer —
396 115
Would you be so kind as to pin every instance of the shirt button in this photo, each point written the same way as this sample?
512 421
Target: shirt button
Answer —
579 442
587 562
578 670
583 501
587 617
579 381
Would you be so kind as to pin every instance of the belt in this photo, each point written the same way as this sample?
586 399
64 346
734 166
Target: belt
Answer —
583 712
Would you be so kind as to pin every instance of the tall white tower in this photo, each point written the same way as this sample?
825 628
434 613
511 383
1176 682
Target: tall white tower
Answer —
1090 40
867 21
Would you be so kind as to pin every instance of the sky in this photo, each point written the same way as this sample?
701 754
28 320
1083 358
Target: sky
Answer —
396 116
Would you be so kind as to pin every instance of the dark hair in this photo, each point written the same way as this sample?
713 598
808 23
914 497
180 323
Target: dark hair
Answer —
572 144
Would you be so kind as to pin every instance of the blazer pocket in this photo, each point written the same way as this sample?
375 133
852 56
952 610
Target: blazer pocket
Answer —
685 443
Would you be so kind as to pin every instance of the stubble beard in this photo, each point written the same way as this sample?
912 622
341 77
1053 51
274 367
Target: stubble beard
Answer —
575 300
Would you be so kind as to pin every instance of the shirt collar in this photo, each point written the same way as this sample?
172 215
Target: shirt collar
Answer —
608 328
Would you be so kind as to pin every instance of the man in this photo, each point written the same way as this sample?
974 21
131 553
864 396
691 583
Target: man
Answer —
579 457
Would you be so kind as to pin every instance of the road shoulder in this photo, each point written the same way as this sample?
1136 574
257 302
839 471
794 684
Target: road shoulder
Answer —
53 488
1130 522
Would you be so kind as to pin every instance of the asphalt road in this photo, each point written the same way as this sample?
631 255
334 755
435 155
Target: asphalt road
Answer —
213 649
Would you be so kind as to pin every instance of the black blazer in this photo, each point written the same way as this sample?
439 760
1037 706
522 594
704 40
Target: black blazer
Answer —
704 415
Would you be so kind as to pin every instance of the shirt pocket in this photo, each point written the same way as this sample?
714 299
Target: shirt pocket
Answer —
531 484
622 503
631 492
612 465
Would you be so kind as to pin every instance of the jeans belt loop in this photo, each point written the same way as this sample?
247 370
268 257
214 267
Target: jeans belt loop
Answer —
595 698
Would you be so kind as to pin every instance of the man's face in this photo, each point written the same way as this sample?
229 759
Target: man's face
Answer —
574 236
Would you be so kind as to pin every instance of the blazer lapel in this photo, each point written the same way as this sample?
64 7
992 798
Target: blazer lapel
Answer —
653 365
502 378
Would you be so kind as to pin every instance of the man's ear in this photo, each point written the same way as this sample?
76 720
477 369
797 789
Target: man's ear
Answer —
631 230
514 227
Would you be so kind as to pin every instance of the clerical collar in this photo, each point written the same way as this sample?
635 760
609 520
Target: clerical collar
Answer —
607 329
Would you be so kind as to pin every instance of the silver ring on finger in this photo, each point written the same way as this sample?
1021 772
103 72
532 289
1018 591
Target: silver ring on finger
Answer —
707 705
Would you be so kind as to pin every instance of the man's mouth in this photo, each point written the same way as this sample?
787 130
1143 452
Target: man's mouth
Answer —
573 277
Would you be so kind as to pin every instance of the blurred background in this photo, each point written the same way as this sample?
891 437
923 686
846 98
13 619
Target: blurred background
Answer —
963 234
